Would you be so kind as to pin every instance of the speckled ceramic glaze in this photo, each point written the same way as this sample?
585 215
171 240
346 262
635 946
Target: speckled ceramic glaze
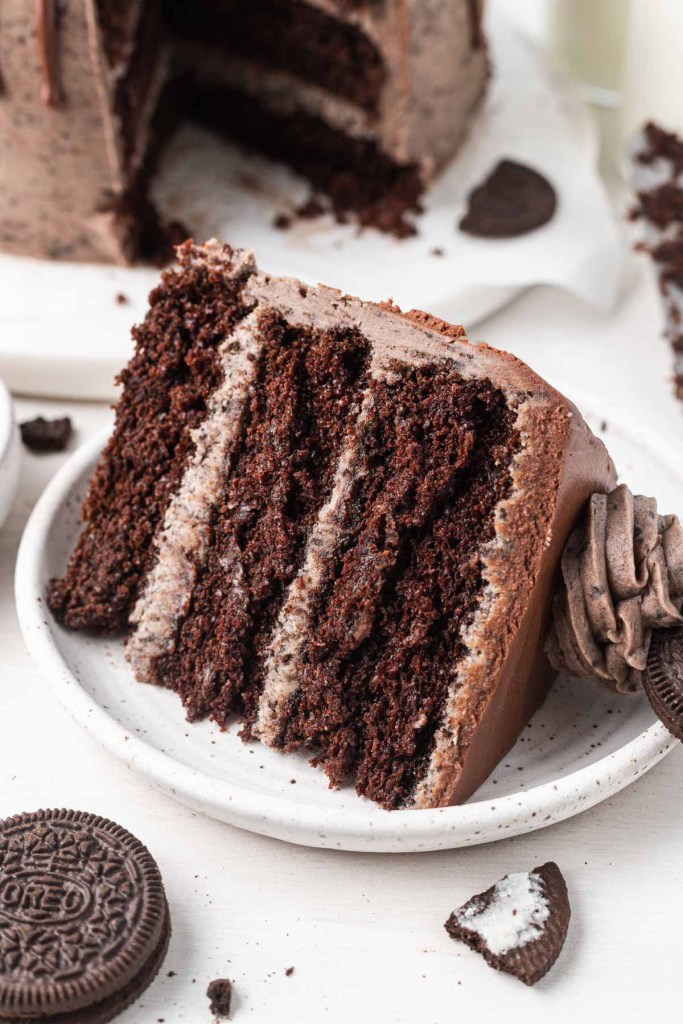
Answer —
10 453
583 746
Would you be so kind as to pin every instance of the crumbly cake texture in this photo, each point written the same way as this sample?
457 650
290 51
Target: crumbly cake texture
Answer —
368 100
337 521
657 177
519 925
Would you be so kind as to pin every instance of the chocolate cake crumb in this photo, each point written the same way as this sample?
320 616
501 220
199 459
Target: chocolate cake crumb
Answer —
122 299
219 994
41 435
289 972
282 221
312 208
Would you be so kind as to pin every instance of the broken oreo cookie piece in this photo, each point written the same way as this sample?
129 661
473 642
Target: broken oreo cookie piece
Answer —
518 925
513 200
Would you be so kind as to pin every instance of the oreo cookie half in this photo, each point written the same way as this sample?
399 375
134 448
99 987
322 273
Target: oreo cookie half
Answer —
663 678
513 200
518 925
84 923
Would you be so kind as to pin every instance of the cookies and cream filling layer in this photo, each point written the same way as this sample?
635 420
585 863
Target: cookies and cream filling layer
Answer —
183 543
513 916
280 92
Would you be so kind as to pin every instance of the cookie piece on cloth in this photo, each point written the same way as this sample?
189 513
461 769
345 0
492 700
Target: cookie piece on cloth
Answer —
513 200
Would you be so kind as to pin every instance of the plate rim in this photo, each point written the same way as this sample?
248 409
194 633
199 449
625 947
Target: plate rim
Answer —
411 830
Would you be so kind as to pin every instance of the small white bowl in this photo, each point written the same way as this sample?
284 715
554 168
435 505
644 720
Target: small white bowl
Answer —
10 453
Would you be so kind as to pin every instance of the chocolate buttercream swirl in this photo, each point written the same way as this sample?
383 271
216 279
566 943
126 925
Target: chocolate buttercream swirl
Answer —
622 578
46 34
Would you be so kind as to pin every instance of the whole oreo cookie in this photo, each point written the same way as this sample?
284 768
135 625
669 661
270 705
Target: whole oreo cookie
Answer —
84 923
513 200
663 678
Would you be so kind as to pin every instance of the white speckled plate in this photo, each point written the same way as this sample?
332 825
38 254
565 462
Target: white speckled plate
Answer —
10 453
580 748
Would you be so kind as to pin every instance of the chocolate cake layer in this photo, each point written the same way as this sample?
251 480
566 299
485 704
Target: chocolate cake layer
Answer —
137 86
166 388
353 536
296 410
432 464
354 173
292 36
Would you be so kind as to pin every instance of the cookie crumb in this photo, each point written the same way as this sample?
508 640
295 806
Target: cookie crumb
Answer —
219 994
41 435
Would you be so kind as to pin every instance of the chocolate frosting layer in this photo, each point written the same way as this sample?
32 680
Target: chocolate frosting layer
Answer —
622 577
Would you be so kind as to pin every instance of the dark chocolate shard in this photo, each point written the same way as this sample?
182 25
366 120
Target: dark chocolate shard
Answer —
84 922
663 678
518 925
41 435
220 996
513 200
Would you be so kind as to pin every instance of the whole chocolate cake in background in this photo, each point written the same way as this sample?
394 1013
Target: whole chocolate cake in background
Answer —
365 98
337 521
657 178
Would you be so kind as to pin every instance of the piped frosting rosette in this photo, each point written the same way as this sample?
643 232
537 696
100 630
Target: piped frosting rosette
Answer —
622 578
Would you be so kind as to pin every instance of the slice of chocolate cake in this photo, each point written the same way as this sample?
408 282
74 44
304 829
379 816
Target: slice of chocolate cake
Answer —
337 521
367 99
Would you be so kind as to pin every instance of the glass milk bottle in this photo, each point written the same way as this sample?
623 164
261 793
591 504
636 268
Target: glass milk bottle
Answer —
589 36
653 74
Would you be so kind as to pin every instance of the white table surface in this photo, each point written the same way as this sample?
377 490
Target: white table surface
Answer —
365 932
